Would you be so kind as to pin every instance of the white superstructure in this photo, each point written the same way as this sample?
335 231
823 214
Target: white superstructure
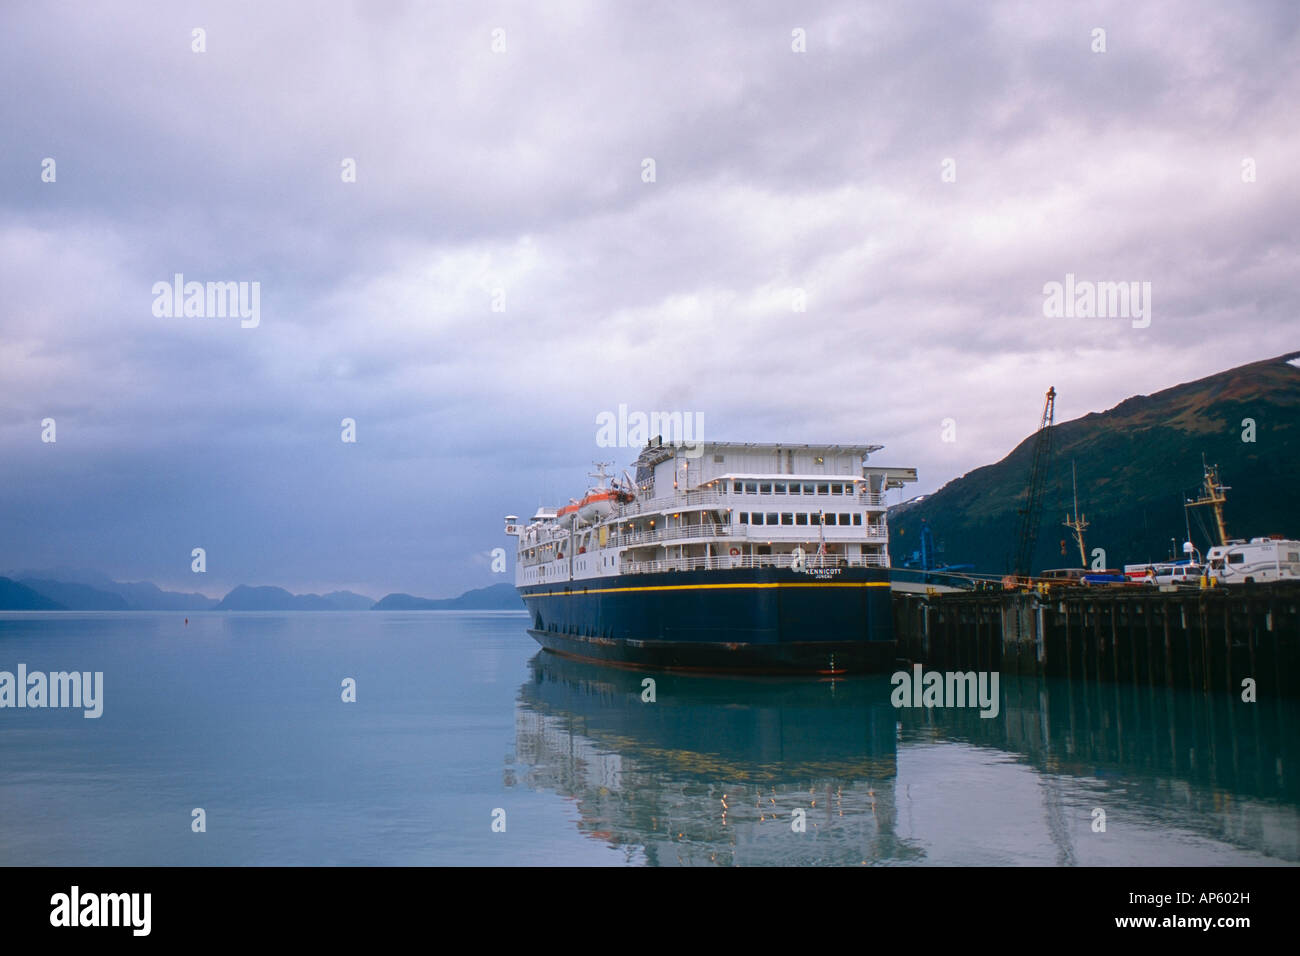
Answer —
716 505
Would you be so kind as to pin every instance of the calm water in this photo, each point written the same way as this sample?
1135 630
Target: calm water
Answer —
457 715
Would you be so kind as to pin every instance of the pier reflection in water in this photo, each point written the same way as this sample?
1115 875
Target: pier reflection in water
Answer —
713 769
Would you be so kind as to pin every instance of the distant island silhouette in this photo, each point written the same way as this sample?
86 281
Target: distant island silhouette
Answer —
64 589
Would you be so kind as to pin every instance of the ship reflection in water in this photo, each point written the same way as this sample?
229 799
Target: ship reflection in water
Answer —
713 771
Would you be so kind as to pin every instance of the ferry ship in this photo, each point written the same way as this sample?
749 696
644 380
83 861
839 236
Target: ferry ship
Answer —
719 556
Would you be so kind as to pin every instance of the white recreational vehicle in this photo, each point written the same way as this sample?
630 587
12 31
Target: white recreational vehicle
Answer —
1259 559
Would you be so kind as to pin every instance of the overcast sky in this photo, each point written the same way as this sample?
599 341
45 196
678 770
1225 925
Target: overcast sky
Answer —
522 170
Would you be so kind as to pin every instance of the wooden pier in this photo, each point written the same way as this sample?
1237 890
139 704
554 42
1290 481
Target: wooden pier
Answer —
1210 639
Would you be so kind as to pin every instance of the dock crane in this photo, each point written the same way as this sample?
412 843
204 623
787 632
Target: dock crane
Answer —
1032 512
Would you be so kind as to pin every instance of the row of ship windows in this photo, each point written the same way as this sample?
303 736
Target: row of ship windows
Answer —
791 488
767 518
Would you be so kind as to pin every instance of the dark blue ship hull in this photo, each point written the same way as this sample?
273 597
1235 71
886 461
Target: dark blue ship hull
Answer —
742 620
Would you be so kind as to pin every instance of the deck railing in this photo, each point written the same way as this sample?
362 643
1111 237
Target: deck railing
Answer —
633 538
784 533
698 498
723 562
686 499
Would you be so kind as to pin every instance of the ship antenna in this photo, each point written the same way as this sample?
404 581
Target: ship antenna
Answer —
1212 494
1079 522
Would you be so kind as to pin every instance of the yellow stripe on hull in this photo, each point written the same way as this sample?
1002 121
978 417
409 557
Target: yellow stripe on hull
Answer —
708 587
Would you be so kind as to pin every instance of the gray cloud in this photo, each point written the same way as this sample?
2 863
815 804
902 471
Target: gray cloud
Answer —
520 171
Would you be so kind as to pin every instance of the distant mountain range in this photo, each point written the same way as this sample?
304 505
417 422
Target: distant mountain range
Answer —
78 589
496 597
244 598
72 589
1136 465
19 597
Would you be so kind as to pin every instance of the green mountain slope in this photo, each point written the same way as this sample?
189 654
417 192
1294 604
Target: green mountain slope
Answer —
1136 464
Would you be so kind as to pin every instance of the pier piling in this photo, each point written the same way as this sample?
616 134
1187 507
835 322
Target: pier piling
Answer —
1207 639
